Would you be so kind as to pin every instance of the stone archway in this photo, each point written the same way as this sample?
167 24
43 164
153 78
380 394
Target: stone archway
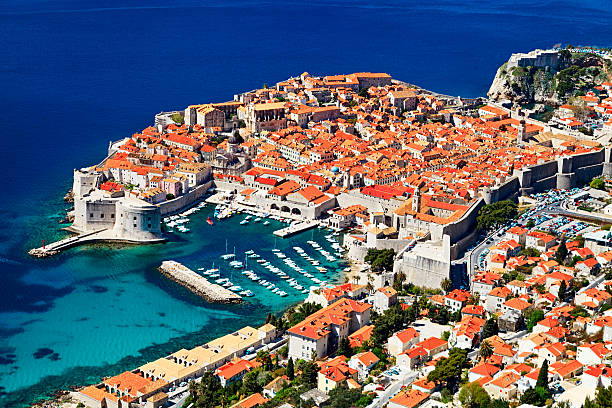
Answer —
284 208
274 207
296 211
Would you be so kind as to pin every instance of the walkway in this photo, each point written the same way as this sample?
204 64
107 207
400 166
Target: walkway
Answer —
295 228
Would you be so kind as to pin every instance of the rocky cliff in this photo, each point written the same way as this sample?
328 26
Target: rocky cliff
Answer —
526 85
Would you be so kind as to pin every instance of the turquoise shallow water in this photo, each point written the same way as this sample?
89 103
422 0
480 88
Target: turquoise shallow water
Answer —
108 309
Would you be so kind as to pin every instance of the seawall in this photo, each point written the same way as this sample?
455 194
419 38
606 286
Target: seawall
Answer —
197 284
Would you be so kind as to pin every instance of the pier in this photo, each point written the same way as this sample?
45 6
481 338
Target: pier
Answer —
101 235
197 284
295 228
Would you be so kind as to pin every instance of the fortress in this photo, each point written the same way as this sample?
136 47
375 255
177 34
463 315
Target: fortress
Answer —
122 216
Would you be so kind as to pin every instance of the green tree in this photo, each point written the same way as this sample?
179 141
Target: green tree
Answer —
496 214
344 348
250 385
485 350
580 311
380 259
178 118
363 92
290 369
490 328
446 285
542 380
342 397
448 370
206 393
533 318
562 290
309 373
603 397
169 196
598 183
530 224
561 252
472 395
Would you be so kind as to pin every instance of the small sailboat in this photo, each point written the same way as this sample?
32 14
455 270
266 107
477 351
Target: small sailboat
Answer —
209 221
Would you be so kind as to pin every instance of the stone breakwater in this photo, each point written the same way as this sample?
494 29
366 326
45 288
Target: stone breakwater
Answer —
197 284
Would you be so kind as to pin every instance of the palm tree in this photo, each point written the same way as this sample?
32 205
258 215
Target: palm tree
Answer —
446 285
486 350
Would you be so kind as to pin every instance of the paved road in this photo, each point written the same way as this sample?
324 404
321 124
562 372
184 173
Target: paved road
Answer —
393 389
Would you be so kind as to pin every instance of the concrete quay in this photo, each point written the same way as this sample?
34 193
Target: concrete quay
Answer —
295 228
197 284
102 235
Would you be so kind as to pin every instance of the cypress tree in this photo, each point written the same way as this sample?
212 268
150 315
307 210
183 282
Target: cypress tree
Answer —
290 369
543 376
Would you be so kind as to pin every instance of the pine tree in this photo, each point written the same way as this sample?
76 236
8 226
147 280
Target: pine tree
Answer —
290 369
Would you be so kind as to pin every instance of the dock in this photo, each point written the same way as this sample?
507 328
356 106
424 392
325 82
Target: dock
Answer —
295 228
57 246
197 284
101 235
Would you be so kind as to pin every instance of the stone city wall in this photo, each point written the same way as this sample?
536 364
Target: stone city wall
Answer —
179 203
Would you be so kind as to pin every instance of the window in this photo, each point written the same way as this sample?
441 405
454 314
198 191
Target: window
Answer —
91 215
149 226
112 215
102 215
134 218
134 225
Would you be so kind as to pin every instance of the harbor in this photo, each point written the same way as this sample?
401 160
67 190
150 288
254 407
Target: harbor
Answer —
197 284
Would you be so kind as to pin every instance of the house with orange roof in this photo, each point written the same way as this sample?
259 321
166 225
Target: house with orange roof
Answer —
424 386
133 385
496 298
473 310
517 304
235 370
362 335
592 298
517 233
252 401
456 300
384 298
588 266
408 399
402 341
319 334
566 369
484 282
552 352
466 334
363 363
335 372
482 370
327 296
96 396
540 240
593 353
504 386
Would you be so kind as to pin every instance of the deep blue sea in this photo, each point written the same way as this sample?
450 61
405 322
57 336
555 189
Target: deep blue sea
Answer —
76 74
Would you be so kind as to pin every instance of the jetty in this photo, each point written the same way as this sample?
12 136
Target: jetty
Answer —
91 237
197 284
295 228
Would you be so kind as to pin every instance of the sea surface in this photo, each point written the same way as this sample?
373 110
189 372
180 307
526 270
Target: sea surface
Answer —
76 74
